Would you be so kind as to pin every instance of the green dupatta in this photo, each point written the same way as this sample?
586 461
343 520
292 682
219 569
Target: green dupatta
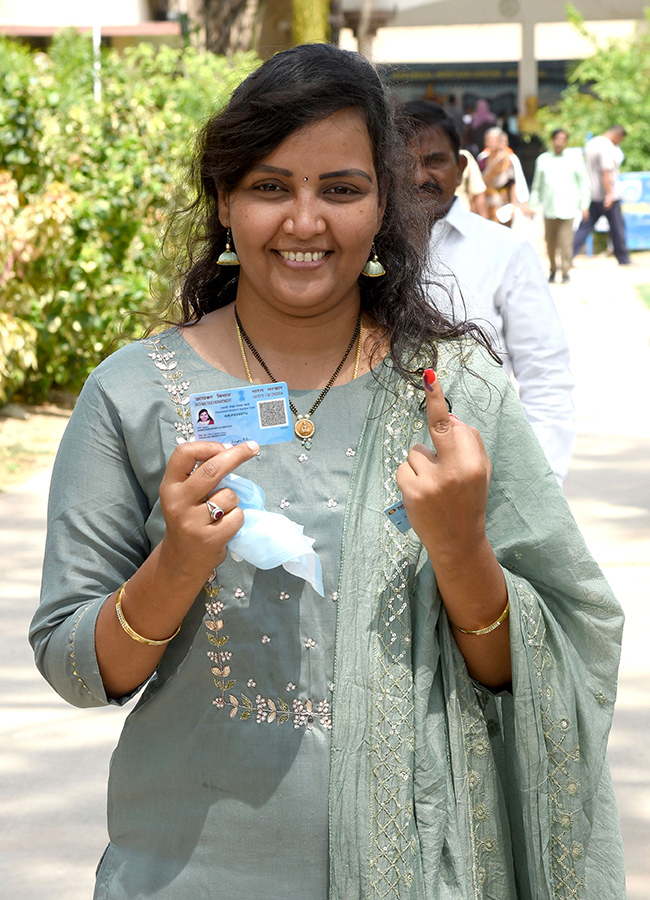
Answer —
440 790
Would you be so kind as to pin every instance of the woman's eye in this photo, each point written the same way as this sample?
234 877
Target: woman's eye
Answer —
341 190
268 187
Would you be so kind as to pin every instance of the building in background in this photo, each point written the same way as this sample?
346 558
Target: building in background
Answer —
504 51
514 53
120 22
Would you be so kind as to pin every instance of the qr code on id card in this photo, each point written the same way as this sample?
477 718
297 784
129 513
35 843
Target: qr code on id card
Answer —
272 413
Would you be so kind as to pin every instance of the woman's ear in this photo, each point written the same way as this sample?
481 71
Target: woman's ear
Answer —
380 214
224 207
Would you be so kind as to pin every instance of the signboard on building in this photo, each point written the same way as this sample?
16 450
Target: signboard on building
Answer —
635 204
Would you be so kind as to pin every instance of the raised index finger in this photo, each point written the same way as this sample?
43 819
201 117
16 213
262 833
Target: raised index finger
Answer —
439 420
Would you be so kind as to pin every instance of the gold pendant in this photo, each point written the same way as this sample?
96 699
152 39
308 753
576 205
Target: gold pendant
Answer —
304 428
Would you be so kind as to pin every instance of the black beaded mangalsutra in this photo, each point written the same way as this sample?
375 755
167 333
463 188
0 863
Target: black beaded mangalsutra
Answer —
304 427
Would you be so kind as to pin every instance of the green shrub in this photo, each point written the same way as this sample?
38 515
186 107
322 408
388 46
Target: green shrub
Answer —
610 87
84 193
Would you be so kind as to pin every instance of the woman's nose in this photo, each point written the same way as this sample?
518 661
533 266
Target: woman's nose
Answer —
305 218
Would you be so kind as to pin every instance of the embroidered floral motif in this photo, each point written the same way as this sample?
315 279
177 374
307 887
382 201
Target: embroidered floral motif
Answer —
309 643
305 715
239 594
350 452
175 385
303 457
283 595
284 503
220 657
290 687
265 639
301 712
331 503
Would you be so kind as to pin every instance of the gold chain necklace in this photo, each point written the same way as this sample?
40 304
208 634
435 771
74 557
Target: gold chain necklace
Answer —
304 427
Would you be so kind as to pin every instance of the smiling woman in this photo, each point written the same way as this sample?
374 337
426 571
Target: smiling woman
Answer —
414 700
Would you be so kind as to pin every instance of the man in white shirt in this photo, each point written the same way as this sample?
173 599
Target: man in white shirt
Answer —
493 276
603 157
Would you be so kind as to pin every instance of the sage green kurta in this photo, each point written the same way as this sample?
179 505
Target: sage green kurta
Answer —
277 716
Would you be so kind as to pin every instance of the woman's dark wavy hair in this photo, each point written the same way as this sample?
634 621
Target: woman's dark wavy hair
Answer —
294 89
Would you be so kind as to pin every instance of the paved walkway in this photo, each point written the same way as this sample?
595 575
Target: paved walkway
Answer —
54 759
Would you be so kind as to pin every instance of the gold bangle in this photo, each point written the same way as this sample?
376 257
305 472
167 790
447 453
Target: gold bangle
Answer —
134 634
489 628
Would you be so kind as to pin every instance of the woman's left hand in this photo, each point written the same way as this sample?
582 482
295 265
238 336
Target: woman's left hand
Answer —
445 493
445 496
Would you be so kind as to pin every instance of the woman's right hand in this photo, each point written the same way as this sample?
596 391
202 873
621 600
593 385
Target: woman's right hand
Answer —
157 597
194 543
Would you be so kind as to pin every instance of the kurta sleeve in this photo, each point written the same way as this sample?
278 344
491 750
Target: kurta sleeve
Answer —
96 539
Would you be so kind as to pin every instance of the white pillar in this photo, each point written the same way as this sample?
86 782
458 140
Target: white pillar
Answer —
527 65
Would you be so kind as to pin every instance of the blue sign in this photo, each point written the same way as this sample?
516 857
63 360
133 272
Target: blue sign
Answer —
635 205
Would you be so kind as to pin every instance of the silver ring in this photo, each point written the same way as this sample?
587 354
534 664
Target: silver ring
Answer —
215 511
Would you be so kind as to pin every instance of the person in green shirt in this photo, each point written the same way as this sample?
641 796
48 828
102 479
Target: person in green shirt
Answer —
561 188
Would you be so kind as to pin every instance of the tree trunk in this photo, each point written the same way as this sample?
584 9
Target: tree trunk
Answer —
229 25
310 21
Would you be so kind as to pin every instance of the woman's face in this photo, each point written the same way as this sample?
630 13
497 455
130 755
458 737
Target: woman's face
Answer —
304 218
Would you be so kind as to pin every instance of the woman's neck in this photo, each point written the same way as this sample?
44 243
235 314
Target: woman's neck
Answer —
303 351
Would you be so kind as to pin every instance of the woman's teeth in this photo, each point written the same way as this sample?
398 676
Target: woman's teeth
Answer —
298 256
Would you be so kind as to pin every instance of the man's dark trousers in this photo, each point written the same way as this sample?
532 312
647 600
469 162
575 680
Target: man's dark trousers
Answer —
616 228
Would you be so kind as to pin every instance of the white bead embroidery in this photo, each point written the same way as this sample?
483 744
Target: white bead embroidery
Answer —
331 503
284 503
350 452
290 687
265 639
309 643
239 594
283 595
303 457
251 683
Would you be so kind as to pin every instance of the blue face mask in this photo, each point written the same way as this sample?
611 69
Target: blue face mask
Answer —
267 540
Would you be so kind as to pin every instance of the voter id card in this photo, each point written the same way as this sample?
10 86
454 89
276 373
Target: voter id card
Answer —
397 515
257 412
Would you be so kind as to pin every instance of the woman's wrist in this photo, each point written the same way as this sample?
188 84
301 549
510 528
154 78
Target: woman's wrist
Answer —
473 588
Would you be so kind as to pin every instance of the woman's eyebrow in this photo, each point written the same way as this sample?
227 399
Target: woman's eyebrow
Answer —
272 169
345 173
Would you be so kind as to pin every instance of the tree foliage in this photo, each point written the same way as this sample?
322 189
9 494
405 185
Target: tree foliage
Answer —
610 87
83 189
310 21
